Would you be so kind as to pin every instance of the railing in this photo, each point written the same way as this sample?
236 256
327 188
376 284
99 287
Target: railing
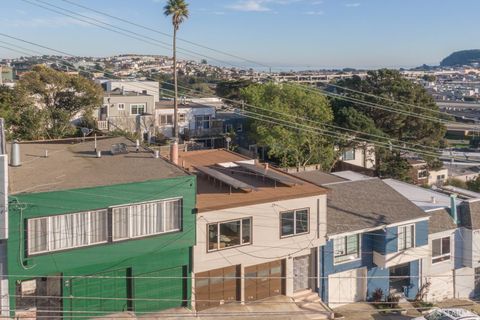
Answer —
202 132
102 125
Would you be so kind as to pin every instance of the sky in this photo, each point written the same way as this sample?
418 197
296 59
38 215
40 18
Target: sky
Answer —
282 34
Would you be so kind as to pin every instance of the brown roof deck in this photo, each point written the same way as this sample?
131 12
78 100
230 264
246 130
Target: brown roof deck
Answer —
215 196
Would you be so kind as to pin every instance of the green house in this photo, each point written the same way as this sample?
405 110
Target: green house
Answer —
98 228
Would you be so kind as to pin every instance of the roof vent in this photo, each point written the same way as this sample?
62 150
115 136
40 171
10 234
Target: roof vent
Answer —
15 155
119 148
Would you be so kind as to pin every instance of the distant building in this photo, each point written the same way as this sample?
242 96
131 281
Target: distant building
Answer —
142 87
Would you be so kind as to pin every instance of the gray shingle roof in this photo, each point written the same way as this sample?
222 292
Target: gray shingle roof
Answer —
469 214
440 220
318 177
367 204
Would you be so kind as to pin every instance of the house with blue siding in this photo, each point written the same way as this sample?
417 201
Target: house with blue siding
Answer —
376 239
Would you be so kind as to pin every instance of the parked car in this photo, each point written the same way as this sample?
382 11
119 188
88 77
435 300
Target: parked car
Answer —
449 314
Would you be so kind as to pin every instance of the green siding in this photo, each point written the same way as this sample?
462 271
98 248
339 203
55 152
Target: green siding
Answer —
143 256
158 289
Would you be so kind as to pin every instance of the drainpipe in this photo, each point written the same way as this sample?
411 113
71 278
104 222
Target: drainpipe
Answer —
453 208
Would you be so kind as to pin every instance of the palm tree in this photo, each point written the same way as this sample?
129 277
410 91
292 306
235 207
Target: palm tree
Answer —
178 9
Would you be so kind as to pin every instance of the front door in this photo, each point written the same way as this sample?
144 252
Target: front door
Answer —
301 273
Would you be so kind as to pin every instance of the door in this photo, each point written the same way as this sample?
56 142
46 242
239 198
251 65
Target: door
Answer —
264 280
301 273
41 297
347 287
217 286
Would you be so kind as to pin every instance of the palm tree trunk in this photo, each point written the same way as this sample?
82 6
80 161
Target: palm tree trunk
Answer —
175 99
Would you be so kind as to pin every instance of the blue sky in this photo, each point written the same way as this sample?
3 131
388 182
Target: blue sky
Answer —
278 33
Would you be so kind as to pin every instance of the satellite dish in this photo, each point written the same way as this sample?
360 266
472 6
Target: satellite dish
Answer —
86 131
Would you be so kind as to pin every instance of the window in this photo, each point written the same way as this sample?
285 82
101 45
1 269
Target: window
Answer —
166 119
146 219
294 222
228 128
202 122
239 127
181 117
67 231
348 155
229 234
121 106
423 173
406 237
440 249
346 248
137 109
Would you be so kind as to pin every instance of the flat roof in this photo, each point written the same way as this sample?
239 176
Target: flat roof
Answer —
215 196
318 177
72 164
351 175
425 199
168 104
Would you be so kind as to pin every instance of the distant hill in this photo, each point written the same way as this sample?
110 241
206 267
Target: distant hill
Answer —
459 58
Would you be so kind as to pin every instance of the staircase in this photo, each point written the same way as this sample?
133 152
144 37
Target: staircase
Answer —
310 302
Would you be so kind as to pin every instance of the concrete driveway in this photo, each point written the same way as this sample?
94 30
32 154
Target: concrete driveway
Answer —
364 311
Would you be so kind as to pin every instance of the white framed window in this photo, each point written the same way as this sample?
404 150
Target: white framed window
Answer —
348 155
137 109
181 117
406 237
440 249
346 248
228 234
121 106
67 231
166 119
146 219
294 222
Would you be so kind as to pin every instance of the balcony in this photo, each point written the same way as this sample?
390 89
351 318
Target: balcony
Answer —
102 125
204 130
395 258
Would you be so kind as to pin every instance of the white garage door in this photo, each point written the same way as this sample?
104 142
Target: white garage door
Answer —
347 287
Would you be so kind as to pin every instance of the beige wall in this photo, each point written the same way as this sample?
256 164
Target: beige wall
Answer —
266 242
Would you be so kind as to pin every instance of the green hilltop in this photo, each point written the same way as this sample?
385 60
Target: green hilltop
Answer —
460 58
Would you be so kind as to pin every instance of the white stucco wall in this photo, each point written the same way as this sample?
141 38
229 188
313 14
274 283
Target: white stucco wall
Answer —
464 283
364 157
266 242
189 122
440 274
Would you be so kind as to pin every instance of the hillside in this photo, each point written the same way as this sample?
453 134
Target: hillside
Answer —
463 57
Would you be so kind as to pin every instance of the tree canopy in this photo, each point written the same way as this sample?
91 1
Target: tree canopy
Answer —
288 145
44 102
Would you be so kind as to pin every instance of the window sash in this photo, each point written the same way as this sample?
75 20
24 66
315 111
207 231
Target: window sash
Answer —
440 249
346 248
146 219
137 109
406 237
121 106
295 222
222 235
66 231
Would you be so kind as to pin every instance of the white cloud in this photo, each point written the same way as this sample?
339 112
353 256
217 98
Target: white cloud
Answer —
352 5
314 13
250 5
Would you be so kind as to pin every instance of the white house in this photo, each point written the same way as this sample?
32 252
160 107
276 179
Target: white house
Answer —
145 87
362 155
258 230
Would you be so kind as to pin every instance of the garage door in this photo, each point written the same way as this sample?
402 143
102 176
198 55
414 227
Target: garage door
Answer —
264 280
217 286
102 293
347 287
160 290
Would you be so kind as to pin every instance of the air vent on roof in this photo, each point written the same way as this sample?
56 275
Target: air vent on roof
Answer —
119 148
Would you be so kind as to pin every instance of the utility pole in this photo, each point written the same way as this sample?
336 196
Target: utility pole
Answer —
4 300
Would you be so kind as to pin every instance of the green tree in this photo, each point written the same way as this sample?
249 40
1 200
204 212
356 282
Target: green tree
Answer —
49 100
391 85
474 185
290 146
178 9
232 89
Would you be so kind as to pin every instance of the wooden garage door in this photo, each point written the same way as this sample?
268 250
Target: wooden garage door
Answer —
215 286
265 280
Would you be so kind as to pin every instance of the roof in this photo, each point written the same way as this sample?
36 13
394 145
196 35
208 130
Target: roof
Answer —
119 92
318 177
366 204
351 175
421 197
211 196
168 104
440 220
469 214
72 164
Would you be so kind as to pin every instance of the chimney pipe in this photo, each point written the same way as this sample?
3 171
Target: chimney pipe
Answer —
15 155
453 208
